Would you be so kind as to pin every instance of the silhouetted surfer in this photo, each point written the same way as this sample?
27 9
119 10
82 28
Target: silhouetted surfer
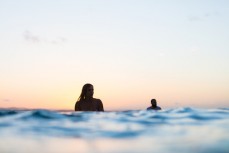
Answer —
86 102
154 105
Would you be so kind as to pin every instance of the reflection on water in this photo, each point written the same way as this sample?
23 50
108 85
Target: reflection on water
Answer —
172 130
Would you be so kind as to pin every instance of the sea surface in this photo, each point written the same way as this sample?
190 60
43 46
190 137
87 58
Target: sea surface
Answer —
180 130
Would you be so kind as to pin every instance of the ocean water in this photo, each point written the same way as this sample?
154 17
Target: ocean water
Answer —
180 130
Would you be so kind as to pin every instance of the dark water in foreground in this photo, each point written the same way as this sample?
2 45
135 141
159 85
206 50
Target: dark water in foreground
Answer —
181 130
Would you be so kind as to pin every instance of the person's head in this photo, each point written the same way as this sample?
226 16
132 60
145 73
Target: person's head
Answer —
154 102
87 91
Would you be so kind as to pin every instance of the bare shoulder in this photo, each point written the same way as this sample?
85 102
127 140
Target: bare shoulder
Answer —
77 106
99 104
97 100
78 102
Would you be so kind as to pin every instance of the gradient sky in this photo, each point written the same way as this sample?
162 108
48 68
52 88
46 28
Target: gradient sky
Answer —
130 50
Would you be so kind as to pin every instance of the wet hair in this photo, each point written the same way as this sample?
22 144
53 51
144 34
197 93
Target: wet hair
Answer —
153 101
84 91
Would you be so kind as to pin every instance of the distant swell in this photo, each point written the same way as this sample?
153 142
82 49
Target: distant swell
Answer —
108 124
7 112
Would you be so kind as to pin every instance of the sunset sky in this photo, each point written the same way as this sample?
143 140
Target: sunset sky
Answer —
130 50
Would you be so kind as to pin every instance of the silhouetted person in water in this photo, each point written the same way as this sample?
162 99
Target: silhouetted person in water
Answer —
154 105
86 102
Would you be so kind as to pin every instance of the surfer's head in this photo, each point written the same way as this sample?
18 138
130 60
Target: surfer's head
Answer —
154 102
87 91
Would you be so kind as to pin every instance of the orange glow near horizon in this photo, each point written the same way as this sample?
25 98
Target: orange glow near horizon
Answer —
125 98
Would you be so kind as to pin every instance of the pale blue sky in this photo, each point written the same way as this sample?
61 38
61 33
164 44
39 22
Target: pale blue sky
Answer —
174 50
